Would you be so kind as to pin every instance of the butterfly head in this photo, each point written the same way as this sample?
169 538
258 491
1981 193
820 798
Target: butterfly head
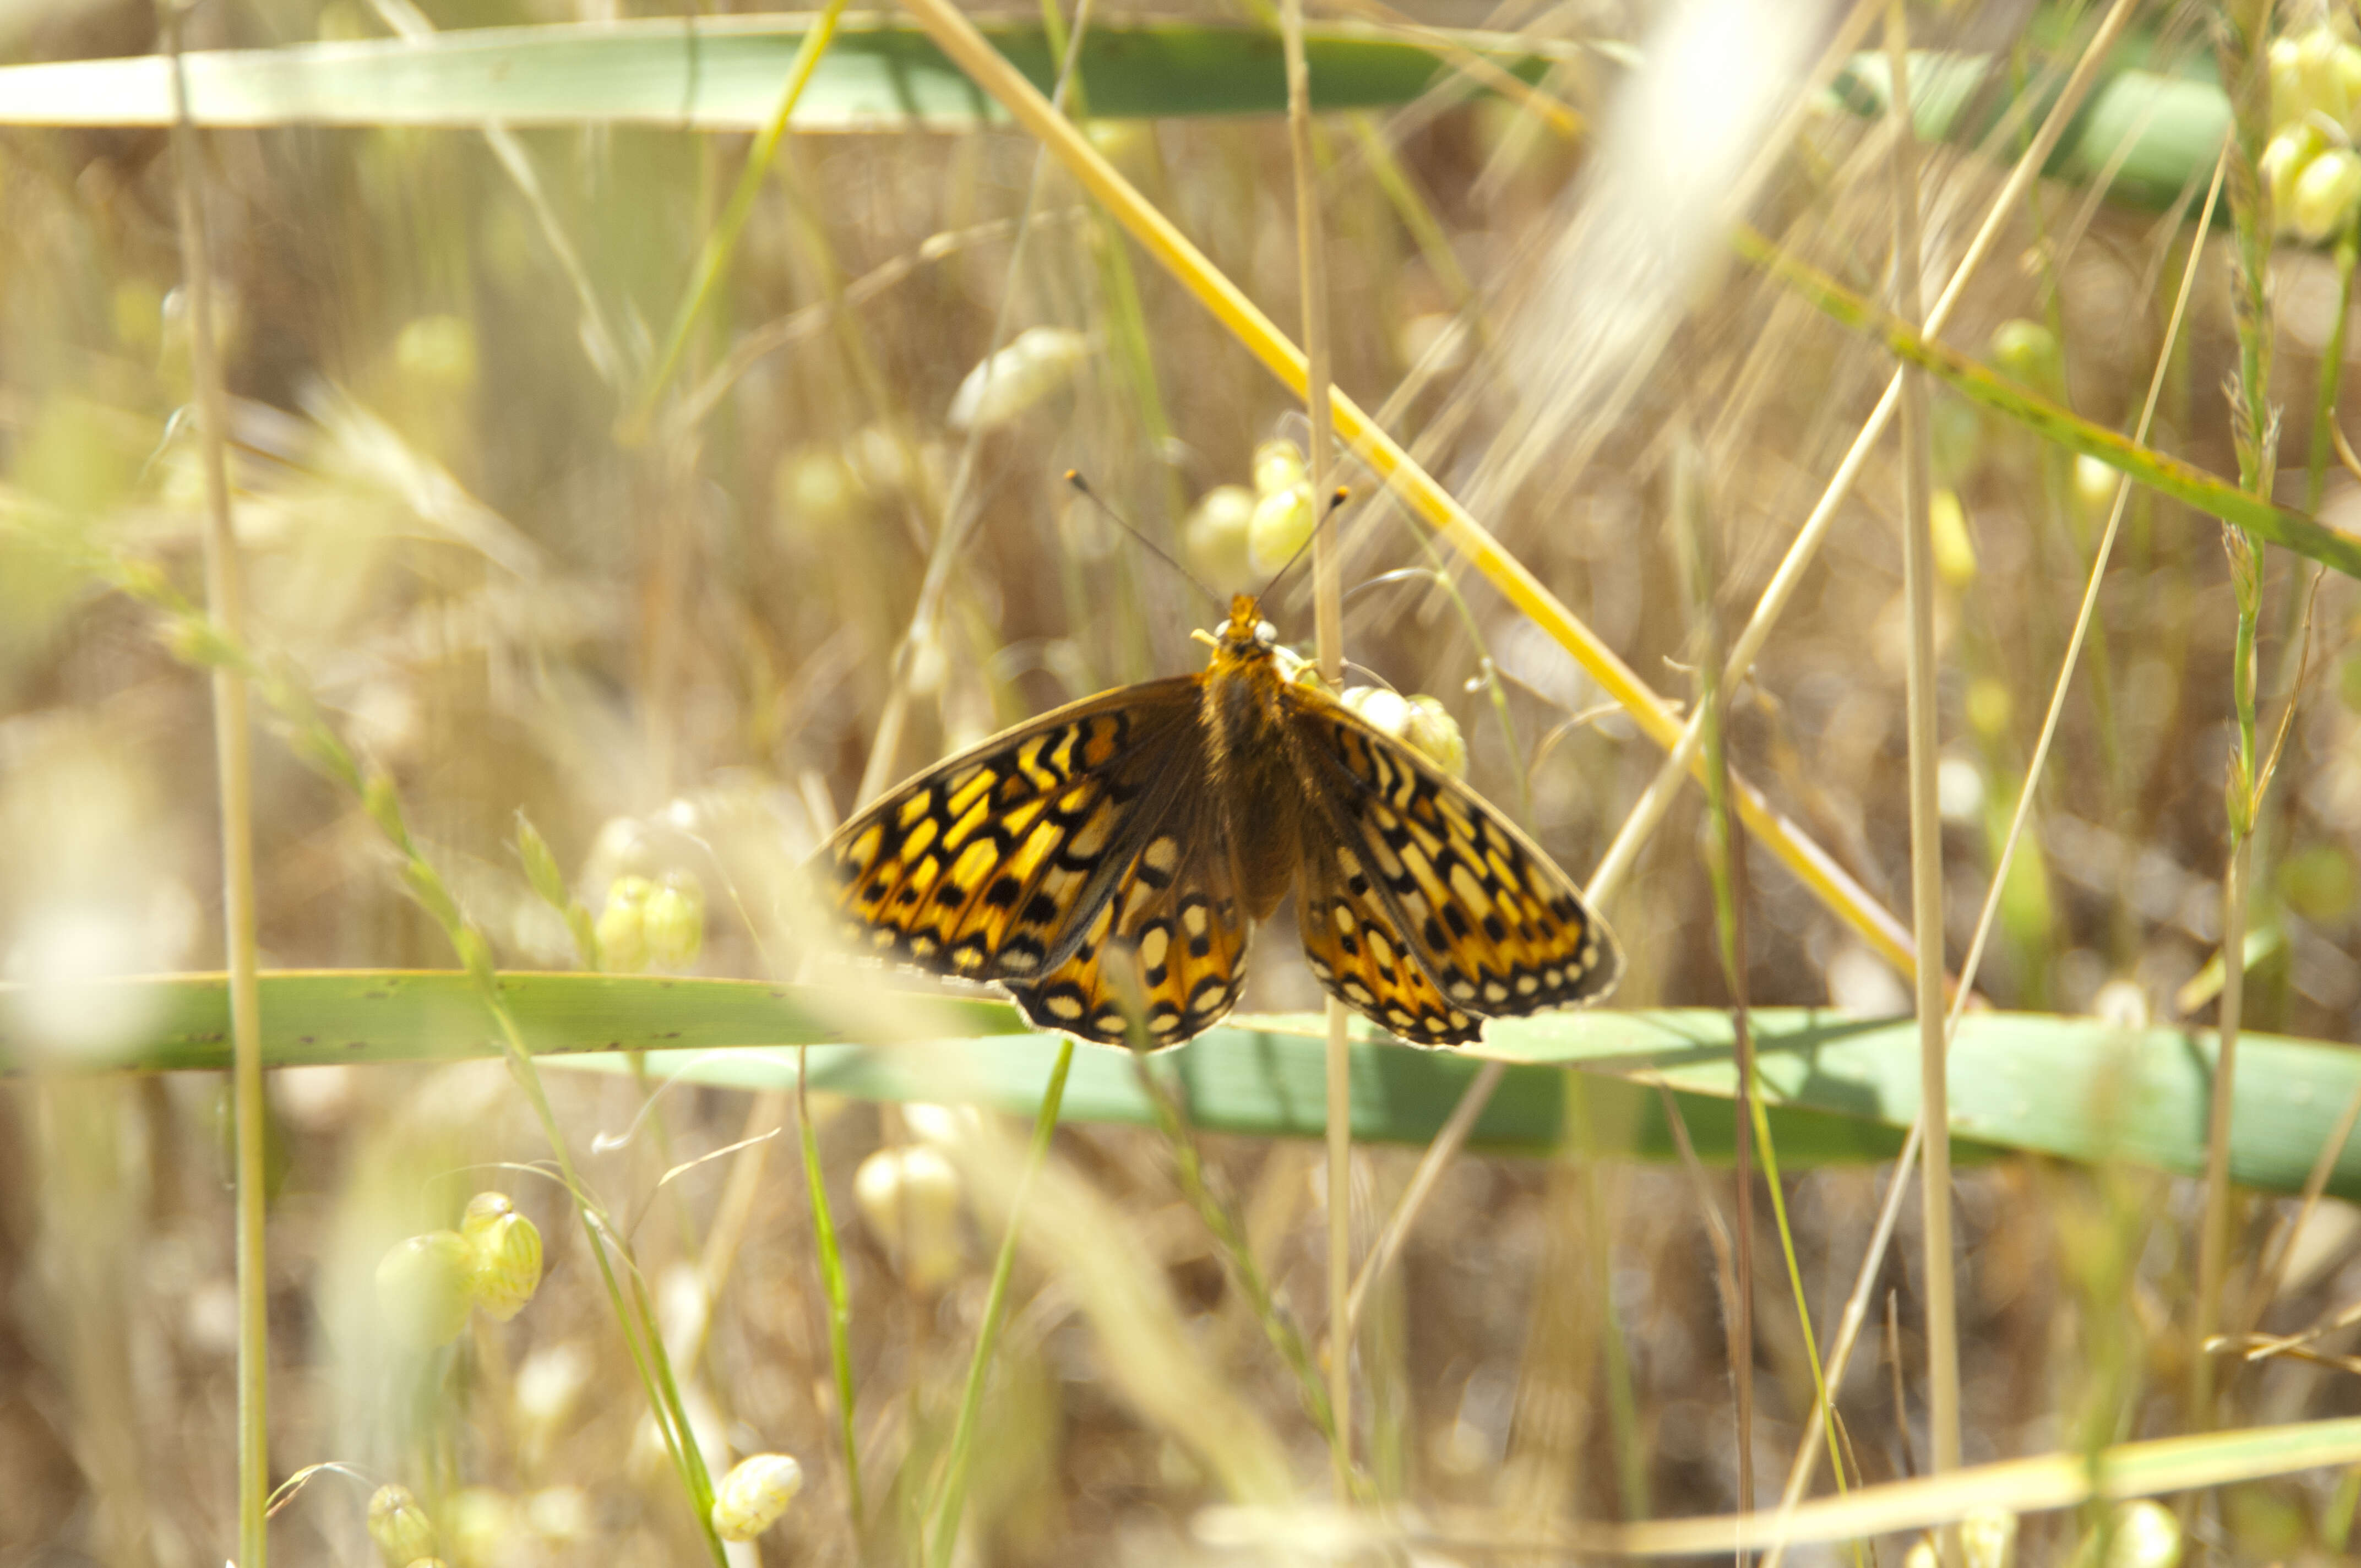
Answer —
1248 632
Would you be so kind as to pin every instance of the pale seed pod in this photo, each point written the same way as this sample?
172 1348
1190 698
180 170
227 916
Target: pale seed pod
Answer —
1435 733
2147 1535
622 925
549 1384
910 1197
1988 1538
1282 523
1279 466
2029 351
672 921
2290 151
400 1526
484 1528
504 1255
1040 361
422 1288
814 492
1955 552
2095 485
1214 537
755 1494
2325 193
437 354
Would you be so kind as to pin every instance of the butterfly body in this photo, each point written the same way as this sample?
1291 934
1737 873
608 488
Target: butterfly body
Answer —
1105 862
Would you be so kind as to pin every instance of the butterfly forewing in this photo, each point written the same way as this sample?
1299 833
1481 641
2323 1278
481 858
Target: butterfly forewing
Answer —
1495 928
991 865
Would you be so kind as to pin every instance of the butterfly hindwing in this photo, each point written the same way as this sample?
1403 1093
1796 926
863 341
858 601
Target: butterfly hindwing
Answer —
1495 928
1168 947
993 864
1352 941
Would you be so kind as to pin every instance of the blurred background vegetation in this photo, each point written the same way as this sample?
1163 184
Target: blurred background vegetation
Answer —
670 646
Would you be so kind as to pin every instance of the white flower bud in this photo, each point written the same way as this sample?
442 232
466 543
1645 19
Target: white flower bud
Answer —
1040 361
755 1494
1385 711
911 1198
422 1288
1215 535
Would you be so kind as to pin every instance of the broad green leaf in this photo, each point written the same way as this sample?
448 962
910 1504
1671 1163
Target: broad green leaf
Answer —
1841 1089
2150 133
714 73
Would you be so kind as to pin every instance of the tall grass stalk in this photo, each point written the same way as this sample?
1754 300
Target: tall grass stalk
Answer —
950 1500
1926 818
2244 44
1725 868
1857 1304
840 1300
1327 601
234 764
723 240
958 511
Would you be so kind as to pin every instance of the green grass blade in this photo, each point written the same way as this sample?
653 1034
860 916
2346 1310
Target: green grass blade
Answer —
2183 481
1838 1088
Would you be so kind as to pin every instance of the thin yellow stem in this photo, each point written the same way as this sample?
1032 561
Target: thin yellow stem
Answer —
1925 816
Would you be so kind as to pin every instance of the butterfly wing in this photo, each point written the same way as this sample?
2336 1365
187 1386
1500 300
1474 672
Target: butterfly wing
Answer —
1078 860
1168 947
1429 878
991 865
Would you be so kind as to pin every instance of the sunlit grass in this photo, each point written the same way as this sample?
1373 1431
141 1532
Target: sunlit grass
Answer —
482 586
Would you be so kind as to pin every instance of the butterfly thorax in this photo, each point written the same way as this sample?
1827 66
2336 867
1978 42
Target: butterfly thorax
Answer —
1249 746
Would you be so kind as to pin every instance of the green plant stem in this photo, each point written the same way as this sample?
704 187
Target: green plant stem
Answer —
723 239
2245 41
840 1310
233 762
942 1530
1230 1236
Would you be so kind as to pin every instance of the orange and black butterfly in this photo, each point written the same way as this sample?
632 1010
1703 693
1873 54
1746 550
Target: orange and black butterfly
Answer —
1105 861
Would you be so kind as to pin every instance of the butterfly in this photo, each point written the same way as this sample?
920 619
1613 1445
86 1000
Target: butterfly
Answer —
1104 862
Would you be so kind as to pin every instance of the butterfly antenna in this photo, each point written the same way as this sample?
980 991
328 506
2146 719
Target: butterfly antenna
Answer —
1337 497
1075 477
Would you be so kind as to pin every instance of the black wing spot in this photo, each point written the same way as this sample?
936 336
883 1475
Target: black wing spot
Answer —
1494 928
1456 918
1004 892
